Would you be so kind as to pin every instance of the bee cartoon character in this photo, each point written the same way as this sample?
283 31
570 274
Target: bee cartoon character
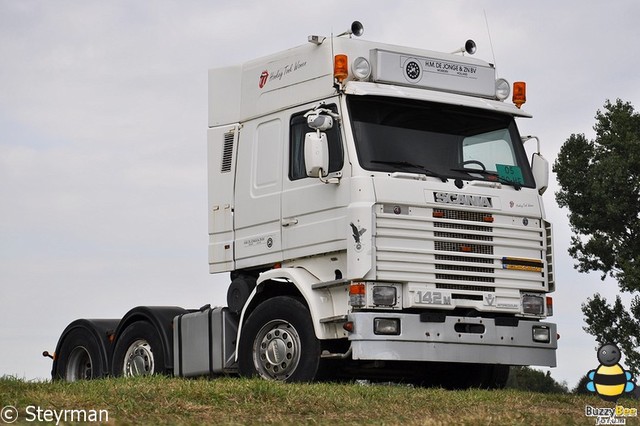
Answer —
610 380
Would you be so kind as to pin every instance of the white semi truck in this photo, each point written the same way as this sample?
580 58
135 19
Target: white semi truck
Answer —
379 217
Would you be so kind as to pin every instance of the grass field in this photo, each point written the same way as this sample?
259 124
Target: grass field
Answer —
162 400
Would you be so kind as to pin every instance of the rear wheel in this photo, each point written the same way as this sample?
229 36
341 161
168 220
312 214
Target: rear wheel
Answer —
278 342
138 351
79 357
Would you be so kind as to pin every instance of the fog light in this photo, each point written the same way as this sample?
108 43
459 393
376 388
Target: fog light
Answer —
387 326
384 295
541 333
532 304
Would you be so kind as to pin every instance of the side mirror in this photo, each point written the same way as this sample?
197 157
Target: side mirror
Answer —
316 154
320 122
540 169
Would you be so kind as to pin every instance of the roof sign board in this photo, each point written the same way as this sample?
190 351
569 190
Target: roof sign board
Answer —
433 73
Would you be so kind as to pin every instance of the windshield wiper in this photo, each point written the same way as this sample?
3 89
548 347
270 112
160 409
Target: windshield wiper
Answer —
408 164
492 176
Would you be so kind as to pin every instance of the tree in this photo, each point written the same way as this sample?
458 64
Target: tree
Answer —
581 386
600 184
528 379
612 323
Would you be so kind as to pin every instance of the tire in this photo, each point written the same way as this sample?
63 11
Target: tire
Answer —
239 291
138 351
278 342
496 376
80 357
483 376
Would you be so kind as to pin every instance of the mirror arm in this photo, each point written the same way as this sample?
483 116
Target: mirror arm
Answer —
529 137
331 177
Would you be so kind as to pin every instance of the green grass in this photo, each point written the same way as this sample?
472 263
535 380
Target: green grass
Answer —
162 400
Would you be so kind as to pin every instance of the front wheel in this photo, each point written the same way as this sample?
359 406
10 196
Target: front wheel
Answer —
138 351
278 342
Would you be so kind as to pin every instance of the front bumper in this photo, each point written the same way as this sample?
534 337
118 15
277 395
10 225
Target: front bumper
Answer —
457 339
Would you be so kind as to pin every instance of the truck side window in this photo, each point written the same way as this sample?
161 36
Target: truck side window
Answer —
298 129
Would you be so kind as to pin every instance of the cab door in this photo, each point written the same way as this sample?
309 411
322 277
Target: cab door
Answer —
314 214
258 193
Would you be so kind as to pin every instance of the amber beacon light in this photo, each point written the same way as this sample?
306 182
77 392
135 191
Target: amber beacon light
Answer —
519 93
340 67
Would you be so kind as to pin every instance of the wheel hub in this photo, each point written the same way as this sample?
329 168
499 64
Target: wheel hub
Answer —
139 360
80 365
278 350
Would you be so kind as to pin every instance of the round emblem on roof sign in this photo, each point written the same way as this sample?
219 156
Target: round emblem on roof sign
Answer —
412 70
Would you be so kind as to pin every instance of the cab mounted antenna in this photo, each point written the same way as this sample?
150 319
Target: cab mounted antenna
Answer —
486 22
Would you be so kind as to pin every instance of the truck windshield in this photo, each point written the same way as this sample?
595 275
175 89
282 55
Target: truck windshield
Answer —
446 141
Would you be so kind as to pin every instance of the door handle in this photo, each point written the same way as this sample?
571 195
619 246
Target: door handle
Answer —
289 222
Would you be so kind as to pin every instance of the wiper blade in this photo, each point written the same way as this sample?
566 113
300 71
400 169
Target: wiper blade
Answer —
408 164
492 176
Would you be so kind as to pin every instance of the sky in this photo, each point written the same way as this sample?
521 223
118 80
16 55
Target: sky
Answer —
103 117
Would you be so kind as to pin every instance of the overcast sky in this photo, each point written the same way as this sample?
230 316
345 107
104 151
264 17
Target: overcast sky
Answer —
103 116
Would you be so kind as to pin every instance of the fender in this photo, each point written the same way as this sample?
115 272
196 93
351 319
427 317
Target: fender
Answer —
161 317
102 330
319 301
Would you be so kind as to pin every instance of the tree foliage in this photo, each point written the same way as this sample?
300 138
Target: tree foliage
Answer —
528 379
600 184
613 323
581 386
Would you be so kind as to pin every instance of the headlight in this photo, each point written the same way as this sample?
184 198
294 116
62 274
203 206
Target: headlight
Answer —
361 68
502 89
532 304
384 295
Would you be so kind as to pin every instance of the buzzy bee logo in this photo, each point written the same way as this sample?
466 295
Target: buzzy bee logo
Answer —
610 380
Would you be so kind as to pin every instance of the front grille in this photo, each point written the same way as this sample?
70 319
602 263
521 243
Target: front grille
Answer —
456 250
478 269
438 234
467 259
470 278
463 247
467 243
465 287
461 215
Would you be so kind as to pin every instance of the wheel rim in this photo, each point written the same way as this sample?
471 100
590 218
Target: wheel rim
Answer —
138 360
80 366
276 350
